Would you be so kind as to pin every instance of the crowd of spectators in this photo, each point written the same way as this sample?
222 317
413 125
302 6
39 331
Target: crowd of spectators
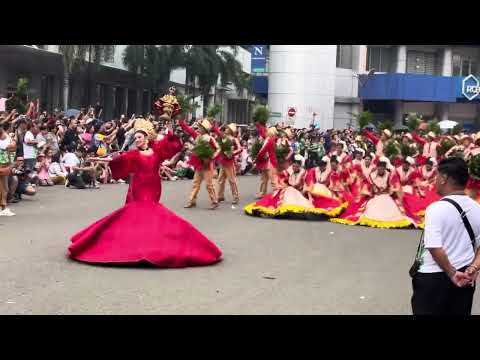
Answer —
47 149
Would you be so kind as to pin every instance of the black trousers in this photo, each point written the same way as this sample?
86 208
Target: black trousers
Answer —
435 294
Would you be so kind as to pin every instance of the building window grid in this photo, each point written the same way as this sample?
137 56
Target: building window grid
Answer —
379 58
463 66
344 56
110 55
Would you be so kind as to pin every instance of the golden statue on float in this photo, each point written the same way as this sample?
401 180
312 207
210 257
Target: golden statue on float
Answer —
167 107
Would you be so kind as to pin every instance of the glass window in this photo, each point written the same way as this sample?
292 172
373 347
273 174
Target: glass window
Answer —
109 54
344 56
465 67
379 58
473 67
456 65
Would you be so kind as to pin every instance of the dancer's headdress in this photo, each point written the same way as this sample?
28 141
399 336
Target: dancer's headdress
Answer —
146 127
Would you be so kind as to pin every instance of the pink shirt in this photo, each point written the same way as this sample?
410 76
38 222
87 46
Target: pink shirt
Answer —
2 103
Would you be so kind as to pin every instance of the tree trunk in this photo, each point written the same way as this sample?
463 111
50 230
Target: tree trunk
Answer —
205 104
89 75
194 108
66 88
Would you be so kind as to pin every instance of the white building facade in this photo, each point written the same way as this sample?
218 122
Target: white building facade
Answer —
321 83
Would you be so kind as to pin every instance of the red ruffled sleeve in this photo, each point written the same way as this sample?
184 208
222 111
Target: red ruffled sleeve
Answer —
217 131
310 177
374 139
123 165
168 147
187 129
262 130
271 153
418 139
395 184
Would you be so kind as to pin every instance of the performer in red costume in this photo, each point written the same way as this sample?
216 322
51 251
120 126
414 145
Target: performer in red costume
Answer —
473 185
319 182
429 147
266 163
144 230
227 161
204 169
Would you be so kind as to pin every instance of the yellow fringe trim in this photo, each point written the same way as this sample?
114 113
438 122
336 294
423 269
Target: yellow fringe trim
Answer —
385 224
421 226
250 209
343 221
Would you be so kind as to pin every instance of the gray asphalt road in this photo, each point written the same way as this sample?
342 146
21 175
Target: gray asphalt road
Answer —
317 267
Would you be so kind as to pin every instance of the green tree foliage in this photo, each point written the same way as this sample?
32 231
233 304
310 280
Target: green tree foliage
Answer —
434 127
261 115
364 118
387 124
20 100
391 150
413 121
214 110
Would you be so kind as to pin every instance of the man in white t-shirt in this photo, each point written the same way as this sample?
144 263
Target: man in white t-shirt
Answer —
448 258
70 160
30 147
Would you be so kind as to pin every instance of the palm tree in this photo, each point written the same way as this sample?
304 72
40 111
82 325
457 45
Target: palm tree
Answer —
223 66
134 58
74 56
153 62
205 63
96 54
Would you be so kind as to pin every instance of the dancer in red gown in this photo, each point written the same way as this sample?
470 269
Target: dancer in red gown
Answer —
144 230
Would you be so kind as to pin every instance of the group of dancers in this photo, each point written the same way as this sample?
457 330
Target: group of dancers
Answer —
350 185
358 184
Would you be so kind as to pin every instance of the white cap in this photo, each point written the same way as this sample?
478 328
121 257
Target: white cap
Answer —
386 161
326 158
410 160
298 157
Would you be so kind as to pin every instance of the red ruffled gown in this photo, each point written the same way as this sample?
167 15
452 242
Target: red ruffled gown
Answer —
144 230
473 185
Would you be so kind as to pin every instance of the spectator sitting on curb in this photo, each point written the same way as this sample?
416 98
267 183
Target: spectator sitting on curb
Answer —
56 173
21 180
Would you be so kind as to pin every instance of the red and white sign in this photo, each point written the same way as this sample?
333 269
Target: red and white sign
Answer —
291 112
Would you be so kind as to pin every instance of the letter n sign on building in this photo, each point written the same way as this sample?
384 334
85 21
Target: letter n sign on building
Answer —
259 58
470 87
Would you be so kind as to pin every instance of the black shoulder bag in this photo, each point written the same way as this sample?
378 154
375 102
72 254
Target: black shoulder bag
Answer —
418 258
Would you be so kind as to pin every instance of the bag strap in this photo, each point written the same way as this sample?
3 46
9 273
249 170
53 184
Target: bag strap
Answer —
463 215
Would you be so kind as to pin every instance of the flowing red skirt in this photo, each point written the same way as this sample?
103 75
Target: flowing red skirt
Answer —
414 205
325 202
270 200
351 213
143 232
